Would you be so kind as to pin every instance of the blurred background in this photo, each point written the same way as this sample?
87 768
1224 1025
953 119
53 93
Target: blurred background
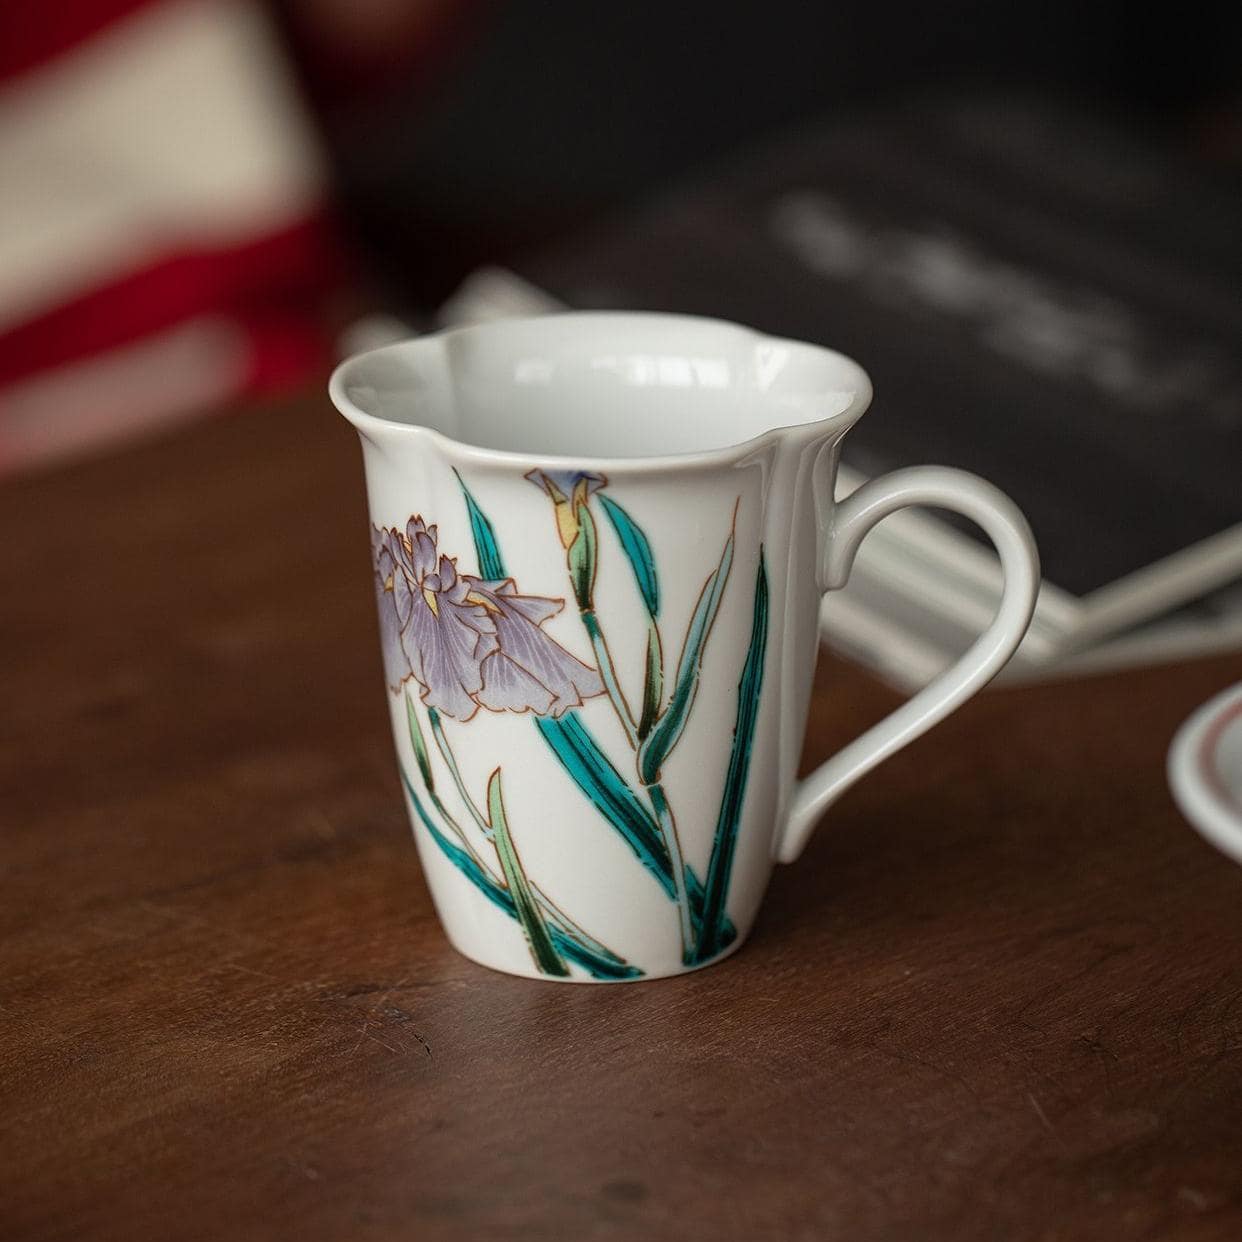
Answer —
200 201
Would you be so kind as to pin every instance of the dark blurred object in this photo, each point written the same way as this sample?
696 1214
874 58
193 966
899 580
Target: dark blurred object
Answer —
547 114
1039 297
167 230
356 54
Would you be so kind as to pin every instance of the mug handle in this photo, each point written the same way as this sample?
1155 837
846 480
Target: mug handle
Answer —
850 521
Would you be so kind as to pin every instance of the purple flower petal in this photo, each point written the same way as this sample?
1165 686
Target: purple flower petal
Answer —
535 608
507 687
422 539
522 642
391 620
446 650
467 642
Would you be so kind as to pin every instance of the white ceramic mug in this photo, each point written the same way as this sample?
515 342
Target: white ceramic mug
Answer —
599 543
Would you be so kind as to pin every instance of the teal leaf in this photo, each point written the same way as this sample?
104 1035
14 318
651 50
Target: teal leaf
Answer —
491 566
715 933
594 774
527 908
668 729
598 962
592 771
695 894
637 549
418 742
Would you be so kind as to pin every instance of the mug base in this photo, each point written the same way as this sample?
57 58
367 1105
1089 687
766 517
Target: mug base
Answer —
582 977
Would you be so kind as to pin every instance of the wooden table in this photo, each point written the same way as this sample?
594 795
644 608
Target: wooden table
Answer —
999 998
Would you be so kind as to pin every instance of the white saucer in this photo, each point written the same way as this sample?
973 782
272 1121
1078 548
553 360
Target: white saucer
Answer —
1205 771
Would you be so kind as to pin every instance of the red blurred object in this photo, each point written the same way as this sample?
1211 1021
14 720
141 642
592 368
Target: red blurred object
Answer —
32 34
266 283
165 233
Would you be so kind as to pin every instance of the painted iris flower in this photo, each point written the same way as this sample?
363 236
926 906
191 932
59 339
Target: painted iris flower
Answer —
567 489
469 643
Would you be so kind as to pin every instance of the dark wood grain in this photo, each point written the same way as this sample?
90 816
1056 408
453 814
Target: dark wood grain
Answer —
1000 997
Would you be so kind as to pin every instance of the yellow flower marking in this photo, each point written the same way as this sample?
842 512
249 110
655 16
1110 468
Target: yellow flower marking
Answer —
473 597
566 508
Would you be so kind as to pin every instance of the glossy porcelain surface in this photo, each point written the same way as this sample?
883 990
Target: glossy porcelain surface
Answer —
598 544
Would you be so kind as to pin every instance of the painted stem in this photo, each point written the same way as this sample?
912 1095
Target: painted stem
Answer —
599 962
446 753
655 790
608 673
553 911
668 828
447 816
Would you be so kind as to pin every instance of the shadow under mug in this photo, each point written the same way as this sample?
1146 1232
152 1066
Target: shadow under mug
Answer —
599 543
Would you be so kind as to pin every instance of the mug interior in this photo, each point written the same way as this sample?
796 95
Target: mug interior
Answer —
589 384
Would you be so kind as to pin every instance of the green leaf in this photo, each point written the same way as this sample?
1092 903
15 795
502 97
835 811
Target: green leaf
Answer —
597 961
491 566
653 681
417 741
638 550
715 933
583 557
668 730
528 912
